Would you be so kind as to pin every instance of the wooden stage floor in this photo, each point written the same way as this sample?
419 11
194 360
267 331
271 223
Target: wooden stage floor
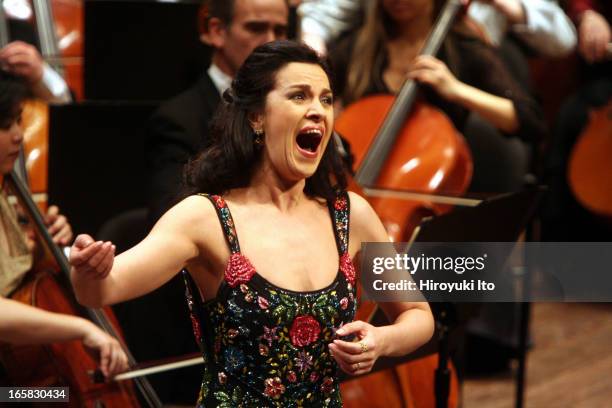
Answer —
570 364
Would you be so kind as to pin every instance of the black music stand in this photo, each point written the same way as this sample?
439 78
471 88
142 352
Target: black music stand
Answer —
501 218
498 219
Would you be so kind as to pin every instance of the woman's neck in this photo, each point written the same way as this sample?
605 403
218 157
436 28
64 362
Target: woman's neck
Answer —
267 187
415 30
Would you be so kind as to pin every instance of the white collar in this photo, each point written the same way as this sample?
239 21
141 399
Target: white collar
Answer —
221 80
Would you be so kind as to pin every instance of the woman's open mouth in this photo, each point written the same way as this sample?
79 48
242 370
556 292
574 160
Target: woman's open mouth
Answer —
308 141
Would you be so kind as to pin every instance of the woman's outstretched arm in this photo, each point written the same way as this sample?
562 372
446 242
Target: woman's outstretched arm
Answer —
101 279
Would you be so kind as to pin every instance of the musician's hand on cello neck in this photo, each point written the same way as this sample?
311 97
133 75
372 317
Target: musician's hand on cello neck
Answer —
22 59
431 71
58 226
25 324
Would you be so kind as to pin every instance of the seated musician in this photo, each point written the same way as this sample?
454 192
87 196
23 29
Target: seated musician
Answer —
21 323
564 219
385 50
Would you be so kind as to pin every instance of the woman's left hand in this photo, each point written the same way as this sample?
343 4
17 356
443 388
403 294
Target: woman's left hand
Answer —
358 357
433 72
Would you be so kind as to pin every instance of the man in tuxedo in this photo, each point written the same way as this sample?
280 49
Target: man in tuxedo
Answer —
179 127
176 132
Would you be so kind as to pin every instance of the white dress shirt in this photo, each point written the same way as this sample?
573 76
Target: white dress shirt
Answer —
220 79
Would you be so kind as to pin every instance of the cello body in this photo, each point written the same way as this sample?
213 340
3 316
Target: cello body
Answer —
36 146
429 156
590 166
66 364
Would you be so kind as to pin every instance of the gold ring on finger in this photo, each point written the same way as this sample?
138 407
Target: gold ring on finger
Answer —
358 366
364 346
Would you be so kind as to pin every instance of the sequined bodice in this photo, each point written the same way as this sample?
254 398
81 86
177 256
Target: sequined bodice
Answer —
265 346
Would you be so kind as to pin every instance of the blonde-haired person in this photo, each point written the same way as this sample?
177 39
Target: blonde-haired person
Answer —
467 80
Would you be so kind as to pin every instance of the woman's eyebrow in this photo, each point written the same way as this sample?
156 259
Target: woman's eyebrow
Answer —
307 87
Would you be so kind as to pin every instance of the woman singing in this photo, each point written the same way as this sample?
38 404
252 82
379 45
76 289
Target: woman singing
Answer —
267 233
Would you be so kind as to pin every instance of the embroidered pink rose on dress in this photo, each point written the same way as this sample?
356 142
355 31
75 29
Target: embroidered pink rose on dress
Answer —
239 270
304 330
347 268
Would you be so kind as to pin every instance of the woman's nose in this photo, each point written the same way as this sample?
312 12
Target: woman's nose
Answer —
317 108
314 114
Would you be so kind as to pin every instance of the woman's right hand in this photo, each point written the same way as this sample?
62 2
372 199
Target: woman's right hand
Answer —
112 358
92 258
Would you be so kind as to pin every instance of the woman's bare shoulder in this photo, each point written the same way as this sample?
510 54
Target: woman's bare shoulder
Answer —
360 207
192 212
365 224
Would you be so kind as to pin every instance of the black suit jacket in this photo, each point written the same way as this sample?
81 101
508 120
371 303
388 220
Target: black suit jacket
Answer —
176 132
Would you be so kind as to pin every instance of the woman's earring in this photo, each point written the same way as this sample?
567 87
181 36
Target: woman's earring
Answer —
259 141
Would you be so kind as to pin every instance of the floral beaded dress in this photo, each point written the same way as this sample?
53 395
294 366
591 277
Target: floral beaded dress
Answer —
265 346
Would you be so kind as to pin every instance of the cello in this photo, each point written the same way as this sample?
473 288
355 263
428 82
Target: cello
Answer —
36 112
64 27
422 153
65 364
590 166
32 164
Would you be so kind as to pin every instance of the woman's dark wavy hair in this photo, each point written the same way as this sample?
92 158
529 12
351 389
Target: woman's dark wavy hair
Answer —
230 155
13 91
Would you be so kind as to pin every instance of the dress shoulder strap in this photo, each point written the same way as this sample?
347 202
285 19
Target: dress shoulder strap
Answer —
195 306
227 223
339 210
